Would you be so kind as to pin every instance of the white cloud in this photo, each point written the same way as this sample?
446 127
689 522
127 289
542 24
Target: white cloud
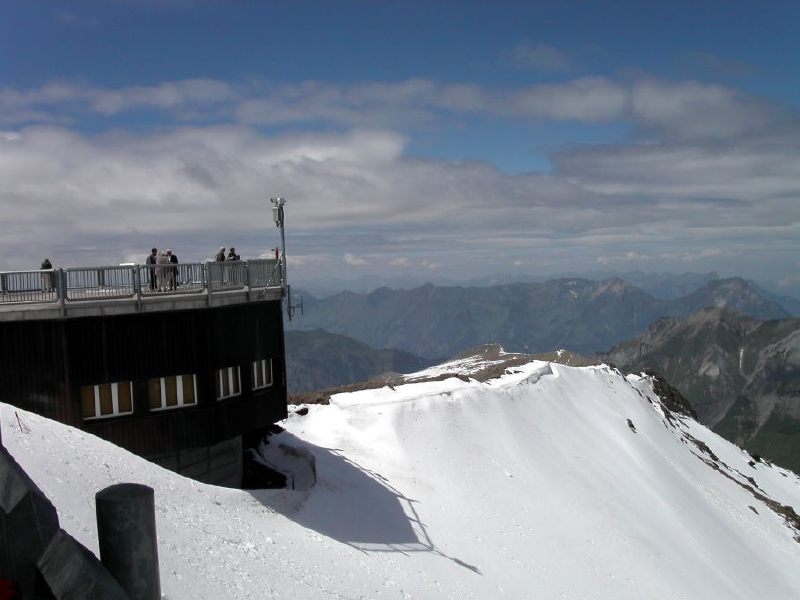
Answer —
37 104
354 261
682 191
673 109
304 260
166 96
622 258
86 198
698 110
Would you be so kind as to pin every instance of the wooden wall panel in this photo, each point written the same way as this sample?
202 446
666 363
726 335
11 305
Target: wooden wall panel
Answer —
44 364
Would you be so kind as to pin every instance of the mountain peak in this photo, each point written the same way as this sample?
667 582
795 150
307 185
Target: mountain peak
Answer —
733 293
613 287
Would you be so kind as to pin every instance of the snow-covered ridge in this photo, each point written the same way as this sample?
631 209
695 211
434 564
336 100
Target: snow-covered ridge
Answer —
547 481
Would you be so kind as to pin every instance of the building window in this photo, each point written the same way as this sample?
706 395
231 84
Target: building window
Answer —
229 382
262 373
172 392
106 400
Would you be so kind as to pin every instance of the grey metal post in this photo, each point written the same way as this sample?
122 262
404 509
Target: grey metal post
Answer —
284 278
207 281
62 290
137 284
126 531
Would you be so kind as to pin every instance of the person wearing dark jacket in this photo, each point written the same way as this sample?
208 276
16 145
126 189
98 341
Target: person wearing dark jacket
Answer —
47 278
173 274
232 254
151 273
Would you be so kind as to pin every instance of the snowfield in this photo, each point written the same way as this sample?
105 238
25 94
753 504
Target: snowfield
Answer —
547 482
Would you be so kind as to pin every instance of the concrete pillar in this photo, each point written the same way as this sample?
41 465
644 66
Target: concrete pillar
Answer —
126 531
73 573
28 521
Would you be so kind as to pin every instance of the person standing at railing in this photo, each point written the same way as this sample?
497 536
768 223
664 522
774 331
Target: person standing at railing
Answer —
47 278
151 260
234 270
162 271
173 270
220 257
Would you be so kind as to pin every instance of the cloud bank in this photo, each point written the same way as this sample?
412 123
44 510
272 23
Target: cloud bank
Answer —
705 168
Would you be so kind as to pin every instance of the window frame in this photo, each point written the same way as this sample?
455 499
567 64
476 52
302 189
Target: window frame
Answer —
266 367
178 392
229 371
115 411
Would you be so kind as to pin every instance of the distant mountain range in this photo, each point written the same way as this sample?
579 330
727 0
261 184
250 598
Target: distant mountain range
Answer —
318 359
741 375
580 315
659 285
664 286
729 347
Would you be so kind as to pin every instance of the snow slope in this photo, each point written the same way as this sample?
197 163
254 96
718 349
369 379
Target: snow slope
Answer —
547 482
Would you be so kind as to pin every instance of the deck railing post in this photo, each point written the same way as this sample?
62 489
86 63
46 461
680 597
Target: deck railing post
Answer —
137 285
61 283
207 281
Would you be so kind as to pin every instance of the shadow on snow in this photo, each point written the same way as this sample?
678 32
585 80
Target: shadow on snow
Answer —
355 506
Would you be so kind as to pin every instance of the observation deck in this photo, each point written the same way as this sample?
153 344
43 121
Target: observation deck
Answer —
125 289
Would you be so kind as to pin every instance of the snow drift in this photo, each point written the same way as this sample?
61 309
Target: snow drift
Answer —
546 482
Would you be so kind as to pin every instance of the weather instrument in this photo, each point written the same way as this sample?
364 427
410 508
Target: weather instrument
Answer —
278 216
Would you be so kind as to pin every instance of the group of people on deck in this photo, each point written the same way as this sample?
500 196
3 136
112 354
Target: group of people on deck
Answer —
231 254
162 272
164 276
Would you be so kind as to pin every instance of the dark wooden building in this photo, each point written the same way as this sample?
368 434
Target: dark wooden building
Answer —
188 382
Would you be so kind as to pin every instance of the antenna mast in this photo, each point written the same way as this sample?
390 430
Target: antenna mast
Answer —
278 216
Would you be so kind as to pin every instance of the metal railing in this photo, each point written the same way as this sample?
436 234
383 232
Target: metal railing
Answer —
99 283
137 281
265 273
227 275
183 278
29 286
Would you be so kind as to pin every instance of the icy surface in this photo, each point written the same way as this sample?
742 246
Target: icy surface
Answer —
548 482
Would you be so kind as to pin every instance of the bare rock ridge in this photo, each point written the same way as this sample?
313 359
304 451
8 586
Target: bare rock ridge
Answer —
740 374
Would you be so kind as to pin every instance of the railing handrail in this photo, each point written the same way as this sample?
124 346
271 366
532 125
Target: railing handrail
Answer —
112 282
28 271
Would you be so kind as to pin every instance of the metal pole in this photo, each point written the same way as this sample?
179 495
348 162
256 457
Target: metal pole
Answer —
283 250
62 291
137 283
207 281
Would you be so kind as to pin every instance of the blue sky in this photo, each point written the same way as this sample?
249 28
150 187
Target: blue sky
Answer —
425 138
